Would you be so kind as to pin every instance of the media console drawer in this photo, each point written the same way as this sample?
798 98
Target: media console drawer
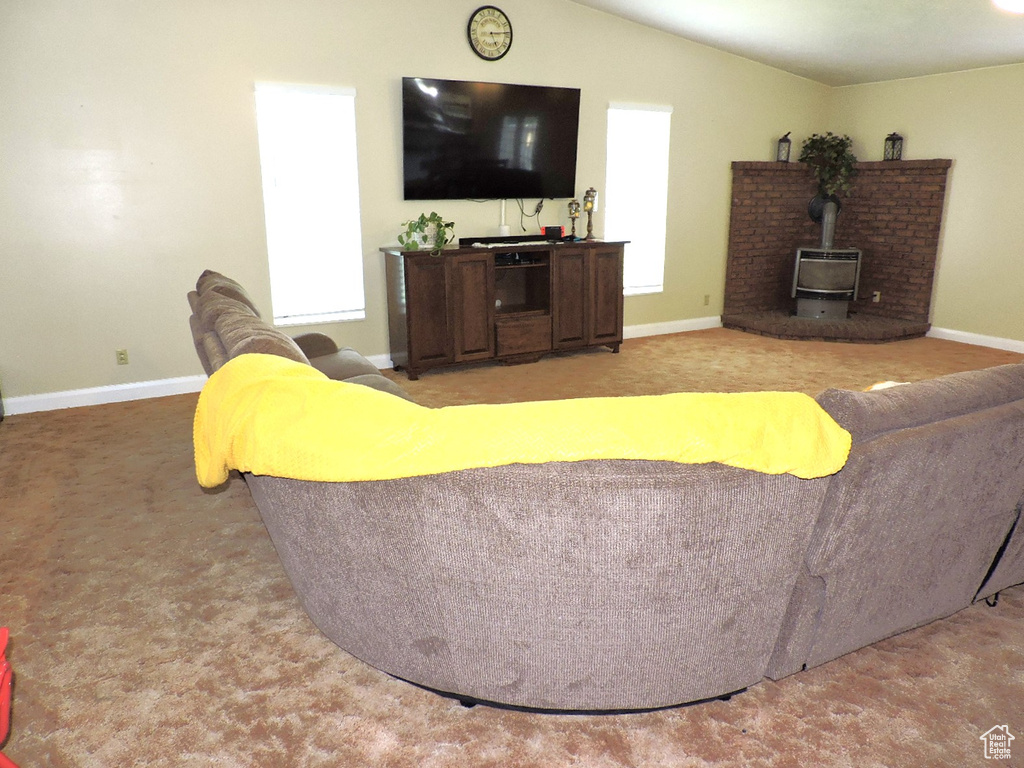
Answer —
520 335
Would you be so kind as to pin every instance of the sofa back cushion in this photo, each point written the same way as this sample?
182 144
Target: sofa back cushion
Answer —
869 414
910 527
211 305
582 585
241 333
218 283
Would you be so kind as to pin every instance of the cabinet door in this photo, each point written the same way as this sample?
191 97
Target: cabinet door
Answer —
569 299
426 296
471 307
605 326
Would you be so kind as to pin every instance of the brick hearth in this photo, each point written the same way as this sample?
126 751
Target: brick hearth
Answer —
893 214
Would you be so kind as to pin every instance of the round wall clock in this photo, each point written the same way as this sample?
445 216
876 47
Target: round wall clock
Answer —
490 33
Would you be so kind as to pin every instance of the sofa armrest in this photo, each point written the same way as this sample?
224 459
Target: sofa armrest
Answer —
382 383
316 344
343 364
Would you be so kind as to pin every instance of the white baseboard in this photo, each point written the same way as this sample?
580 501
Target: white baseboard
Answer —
674 326
381 361
119 393
1010 345
114 393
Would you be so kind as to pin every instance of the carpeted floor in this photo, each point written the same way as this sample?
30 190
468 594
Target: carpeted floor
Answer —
152 624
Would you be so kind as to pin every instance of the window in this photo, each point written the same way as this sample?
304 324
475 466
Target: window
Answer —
307 140
636 191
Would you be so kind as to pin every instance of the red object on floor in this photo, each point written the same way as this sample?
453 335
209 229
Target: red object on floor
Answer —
6 680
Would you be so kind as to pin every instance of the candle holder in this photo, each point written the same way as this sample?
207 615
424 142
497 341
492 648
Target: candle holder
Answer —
590 205
574 213
893 149
782 148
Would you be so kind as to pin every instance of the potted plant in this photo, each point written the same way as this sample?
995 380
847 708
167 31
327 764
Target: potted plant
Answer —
431 232
831 161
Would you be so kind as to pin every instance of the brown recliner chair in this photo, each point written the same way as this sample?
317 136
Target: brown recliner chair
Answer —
226 323
312 345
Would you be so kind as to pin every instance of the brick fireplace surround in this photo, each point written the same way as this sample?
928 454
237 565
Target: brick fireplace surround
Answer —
893 214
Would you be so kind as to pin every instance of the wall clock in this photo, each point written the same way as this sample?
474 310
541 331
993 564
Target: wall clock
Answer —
490 33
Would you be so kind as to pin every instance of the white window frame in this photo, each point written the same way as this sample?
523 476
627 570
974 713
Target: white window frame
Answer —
307 143
636 191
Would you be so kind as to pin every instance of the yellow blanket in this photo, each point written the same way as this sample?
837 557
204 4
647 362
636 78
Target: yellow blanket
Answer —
271 416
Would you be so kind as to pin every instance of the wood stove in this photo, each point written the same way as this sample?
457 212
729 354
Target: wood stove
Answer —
825 281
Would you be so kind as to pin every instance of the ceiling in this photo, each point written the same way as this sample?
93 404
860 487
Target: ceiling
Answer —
841 42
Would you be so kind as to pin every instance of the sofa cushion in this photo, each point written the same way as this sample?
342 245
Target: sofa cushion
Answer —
215 281
868 414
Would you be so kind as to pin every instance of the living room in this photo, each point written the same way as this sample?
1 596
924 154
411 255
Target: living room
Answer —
133 165
151 620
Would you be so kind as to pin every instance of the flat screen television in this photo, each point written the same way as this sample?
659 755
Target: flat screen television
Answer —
491 141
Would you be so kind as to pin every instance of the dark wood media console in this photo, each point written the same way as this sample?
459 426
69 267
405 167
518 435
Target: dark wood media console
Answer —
512 303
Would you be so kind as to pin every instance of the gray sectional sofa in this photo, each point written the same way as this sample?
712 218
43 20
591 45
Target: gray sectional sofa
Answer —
913 528
626 584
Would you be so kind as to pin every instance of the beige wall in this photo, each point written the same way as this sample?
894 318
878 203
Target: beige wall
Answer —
129 159
976 119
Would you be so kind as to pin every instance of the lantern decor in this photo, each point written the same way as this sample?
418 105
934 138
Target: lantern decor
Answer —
893 147
574 213
590 206
782 150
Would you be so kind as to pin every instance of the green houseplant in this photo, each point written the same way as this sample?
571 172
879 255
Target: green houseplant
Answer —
831 161
427 231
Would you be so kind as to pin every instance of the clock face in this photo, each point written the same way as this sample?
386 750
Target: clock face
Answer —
490 33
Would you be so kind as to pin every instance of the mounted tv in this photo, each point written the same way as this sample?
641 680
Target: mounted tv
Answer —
491 141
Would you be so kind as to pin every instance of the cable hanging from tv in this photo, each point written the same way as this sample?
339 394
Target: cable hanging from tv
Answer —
523 215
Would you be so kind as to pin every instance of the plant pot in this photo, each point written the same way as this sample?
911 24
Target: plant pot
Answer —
428 237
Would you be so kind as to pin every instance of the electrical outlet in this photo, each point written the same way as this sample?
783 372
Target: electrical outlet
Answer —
707 299
122 356
876 296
